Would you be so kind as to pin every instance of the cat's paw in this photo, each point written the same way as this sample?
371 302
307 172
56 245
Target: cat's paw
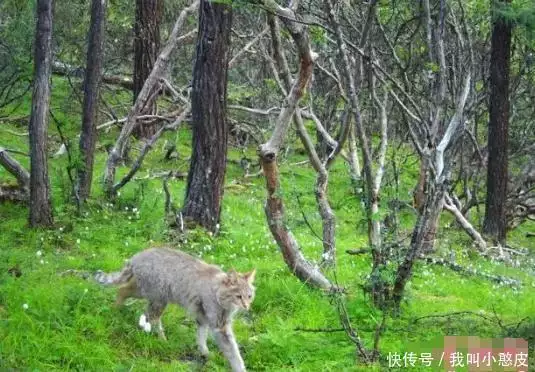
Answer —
204 351
144 324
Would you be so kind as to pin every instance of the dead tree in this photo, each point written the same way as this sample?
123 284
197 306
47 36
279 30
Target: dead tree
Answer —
320 166
160 67
40 203
88 136
439 160
372 179
206 177
275 214
146 48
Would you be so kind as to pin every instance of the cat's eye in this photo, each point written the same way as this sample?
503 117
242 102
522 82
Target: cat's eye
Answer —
238 297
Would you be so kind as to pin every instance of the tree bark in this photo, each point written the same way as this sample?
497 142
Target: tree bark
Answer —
15 168
160 67
430 214
495 224
146 48
206 176
20 191
88 136
40 203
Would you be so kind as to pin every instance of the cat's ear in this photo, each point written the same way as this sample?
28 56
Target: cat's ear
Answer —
250 276
232 277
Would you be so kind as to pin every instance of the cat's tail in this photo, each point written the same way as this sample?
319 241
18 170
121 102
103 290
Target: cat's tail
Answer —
115 278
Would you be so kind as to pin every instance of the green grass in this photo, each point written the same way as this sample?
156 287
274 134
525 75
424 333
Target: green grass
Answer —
70 323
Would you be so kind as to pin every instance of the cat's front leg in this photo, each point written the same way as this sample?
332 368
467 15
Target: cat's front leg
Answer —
227 344
202 336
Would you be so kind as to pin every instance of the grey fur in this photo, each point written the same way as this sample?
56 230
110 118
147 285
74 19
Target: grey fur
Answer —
164 276
119 277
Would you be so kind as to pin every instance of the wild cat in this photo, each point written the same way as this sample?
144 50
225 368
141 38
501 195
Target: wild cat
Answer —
164 276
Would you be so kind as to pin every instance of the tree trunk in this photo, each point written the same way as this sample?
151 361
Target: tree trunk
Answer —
146 48
206 176
92 80
160 67
495 223
429 217
40 204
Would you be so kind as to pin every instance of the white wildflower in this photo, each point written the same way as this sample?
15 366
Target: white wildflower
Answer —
39 253
42 262
25 306
77 241
134 210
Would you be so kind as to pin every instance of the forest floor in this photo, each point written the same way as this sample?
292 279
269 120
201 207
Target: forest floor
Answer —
52 318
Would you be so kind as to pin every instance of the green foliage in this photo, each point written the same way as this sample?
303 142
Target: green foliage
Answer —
318 35
520 12
71 324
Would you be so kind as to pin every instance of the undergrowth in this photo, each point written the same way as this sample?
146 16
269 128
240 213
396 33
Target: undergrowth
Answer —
53 318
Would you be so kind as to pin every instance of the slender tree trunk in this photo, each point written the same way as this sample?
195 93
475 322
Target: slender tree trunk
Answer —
92 80
430 214
40 204
495 223
420 198
146 48
210 128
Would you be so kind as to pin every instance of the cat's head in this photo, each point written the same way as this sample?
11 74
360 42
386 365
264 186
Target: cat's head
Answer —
237 290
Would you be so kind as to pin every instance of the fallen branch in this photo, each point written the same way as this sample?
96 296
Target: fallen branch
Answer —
63 69
455 313
450 206
318 330
359 251
503 280
23 134
15 168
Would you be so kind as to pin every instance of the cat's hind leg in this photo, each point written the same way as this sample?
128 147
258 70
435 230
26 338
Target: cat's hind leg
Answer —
153 318
127 290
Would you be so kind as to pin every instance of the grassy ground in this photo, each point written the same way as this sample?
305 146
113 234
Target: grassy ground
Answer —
52 319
